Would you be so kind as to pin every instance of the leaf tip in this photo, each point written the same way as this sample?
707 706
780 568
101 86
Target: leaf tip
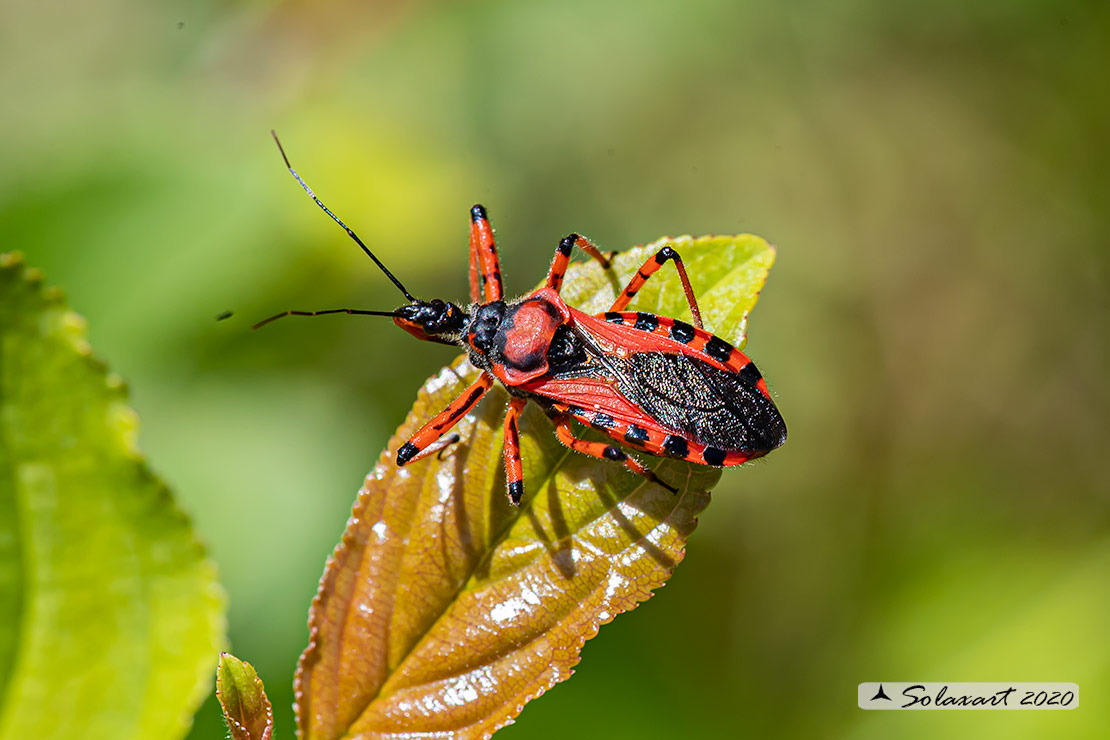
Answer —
243 699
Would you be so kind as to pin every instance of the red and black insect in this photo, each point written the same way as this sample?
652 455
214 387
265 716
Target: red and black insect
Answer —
654 384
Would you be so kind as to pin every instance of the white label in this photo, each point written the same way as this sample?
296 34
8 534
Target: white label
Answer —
942 695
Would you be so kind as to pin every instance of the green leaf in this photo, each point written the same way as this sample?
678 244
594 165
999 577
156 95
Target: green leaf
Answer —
110 613
243 698
444 609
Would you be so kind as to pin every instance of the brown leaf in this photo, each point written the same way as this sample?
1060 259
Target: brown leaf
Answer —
444 609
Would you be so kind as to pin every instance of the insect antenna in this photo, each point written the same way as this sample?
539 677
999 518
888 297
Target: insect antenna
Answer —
346 228
353 311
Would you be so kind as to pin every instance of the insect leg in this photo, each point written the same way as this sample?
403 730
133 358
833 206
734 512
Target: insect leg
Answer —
514 466
603 451
438 447
443 421
650 268
562 258
485 270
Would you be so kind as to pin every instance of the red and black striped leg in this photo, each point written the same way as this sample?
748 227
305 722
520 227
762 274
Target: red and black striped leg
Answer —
514 466
437 447
562 258
421 442
485 270
648 269
603 451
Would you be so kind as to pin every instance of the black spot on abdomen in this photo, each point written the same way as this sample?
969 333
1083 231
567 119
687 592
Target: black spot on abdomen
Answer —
675 444
682 332
718 349
646 321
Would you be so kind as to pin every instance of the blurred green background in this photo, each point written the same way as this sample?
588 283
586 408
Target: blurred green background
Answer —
935 175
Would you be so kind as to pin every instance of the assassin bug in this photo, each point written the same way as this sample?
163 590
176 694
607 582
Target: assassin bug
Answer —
654 384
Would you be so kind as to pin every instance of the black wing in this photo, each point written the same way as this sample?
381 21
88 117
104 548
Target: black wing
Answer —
711 406
683 393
